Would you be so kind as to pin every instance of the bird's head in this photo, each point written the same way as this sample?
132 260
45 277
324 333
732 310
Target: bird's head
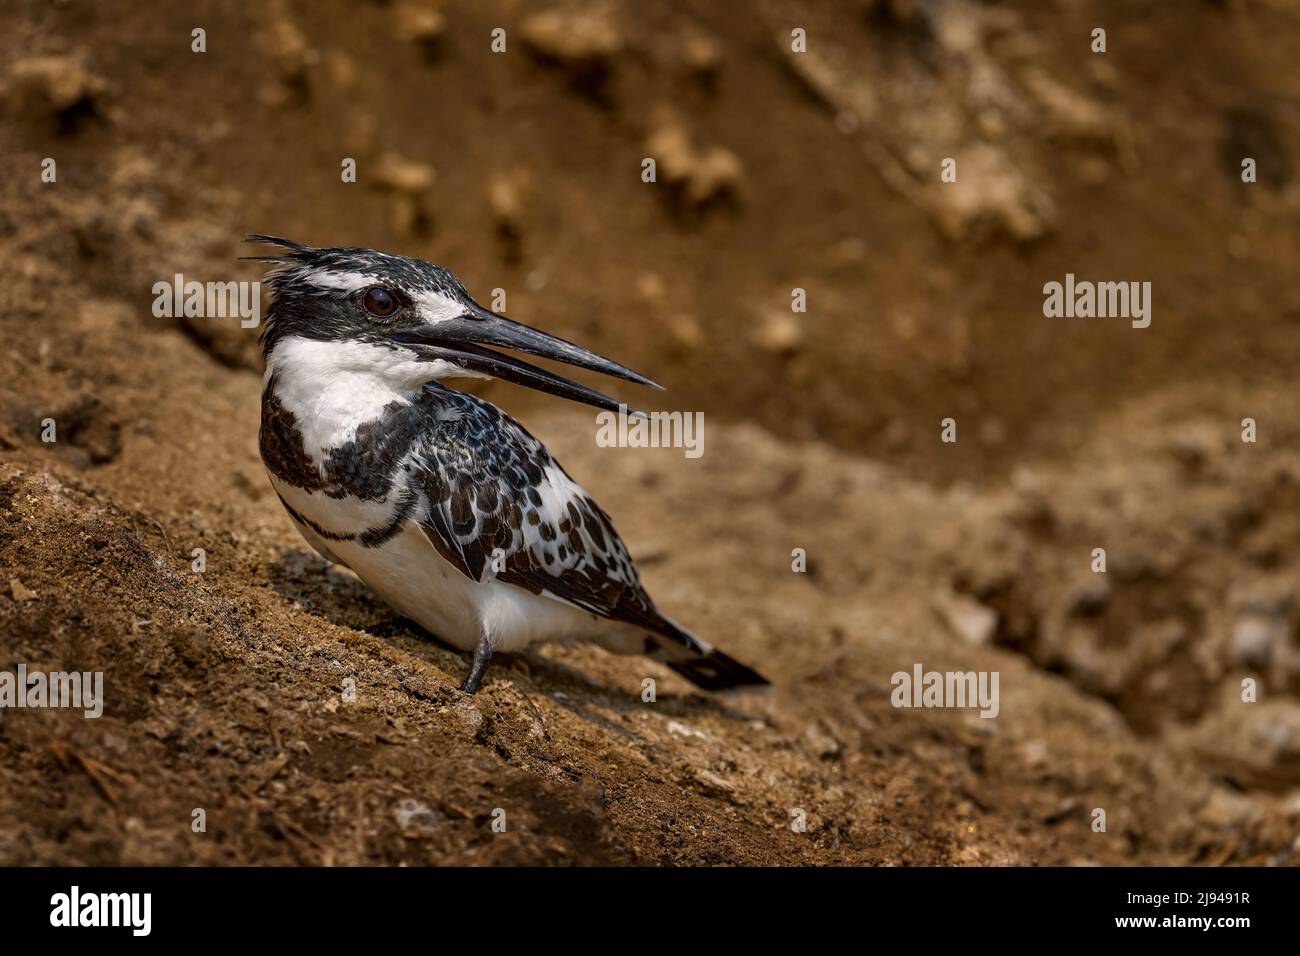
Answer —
412 320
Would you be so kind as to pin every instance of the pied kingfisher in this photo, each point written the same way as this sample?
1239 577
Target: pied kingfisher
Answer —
440 502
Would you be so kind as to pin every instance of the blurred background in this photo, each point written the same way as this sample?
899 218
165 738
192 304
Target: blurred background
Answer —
776 171
818 171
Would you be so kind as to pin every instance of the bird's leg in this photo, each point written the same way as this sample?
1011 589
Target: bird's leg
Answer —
482 654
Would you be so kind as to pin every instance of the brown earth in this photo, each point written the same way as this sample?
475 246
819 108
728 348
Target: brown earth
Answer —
775 170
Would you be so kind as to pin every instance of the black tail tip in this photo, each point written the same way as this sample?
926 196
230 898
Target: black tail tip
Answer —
716 671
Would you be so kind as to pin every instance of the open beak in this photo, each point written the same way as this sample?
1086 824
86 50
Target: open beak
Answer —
463 340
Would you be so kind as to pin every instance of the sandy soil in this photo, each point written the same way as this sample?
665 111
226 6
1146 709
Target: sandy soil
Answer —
225 689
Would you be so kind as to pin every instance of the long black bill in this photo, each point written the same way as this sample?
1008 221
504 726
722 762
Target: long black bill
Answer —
461 341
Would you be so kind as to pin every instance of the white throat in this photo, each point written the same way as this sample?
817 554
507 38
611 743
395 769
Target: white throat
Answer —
332 388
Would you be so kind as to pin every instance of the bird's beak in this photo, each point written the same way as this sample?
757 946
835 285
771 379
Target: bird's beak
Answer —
463 340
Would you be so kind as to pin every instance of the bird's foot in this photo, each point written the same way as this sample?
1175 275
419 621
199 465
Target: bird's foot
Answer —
482 654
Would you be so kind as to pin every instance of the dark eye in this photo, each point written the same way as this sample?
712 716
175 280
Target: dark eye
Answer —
379 302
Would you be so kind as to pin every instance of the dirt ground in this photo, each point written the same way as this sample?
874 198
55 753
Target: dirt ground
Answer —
228 690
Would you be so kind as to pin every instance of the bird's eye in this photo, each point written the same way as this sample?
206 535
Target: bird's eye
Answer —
379 302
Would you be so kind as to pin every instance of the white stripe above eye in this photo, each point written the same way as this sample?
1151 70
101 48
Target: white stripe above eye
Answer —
436 307
343 281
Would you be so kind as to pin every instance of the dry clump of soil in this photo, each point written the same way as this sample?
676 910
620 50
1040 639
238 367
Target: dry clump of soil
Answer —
310 725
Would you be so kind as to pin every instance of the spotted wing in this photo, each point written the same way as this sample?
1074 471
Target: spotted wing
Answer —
498 505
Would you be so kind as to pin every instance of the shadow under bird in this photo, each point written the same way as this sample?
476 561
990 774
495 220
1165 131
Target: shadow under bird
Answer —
440 502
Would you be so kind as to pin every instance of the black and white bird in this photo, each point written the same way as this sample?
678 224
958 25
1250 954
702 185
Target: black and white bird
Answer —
444 505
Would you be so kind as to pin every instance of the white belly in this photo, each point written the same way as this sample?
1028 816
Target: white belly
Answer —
410 575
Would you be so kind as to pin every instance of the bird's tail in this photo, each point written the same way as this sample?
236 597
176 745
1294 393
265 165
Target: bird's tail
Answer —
716 671
699 663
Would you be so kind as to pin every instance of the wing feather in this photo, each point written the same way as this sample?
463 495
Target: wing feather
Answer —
498 505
